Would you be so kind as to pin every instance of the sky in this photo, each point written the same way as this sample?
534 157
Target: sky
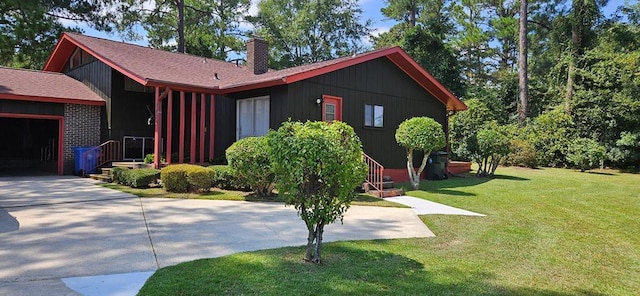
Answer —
370 9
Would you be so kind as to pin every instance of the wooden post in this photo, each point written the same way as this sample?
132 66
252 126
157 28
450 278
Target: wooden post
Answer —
192 151
212 127
181 144
169 126
203 107
158 129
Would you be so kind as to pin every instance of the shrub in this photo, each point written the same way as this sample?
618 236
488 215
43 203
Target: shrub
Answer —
174 178
224 177
199 178
626 153
522 154
149 158
116 174
586 153
249 157
140 178
551 133
185 177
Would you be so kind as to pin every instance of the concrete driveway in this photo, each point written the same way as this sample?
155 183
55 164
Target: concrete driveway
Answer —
61 227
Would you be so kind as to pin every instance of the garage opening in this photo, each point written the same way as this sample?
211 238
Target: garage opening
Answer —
28 146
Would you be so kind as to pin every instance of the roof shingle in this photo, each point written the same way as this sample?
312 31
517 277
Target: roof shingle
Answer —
45 86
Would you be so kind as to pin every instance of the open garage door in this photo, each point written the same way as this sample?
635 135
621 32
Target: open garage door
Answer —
30 144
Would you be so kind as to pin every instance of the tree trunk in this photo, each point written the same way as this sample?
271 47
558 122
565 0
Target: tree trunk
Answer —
523 78
317 258
180 4
415 182
310 239
570 78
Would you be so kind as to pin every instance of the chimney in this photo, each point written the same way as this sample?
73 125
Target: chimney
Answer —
257 55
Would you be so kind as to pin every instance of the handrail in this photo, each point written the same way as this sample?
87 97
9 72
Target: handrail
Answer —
375 174
106 152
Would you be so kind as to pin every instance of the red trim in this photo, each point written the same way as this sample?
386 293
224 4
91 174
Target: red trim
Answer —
158 129
63 51
238 88
338 103
181 143
169 127
192 151
51 100
203 106
212 126
60 120
400 175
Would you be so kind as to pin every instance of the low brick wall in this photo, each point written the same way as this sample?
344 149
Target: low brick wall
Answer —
81 129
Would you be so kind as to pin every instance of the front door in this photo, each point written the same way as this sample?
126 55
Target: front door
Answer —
331 108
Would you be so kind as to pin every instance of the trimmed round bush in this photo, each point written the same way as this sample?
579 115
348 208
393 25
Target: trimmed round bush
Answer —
249 157
186 177
199 178
117 174
140 178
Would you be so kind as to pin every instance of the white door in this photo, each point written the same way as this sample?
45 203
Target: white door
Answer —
252 118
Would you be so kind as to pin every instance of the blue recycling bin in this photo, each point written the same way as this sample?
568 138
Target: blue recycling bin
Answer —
90 164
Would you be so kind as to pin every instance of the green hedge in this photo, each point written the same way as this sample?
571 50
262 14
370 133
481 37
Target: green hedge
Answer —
136 178
249 158
186 177
224 177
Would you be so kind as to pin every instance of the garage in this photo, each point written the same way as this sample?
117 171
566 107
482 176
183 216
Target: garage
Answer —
43 116
30 144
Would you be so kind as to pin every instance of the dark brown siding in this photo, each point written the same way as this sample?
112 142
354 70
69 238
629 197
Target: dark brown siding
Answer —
26 107
378 82
97 76
129 111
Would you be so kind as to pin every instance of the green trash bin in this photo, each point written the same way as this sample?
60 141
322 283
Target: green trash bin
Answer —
436 166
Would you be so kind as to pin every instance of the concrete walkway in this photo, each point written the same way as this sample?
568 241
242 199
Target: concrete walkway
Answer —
66 236
426 207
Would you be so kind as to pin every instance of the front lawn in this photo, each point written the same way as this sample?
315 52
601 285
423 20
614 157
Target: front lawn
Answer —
547 232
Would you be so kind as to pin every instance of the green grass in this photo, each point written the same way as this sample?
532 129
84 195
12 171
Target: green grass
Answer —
547 232
219 194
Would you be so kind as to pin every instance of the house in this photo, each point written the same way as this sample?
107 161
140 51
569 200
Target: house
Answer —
192 108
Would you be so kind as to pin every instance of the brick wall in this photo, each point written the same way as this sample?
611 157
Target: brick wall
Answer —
81 129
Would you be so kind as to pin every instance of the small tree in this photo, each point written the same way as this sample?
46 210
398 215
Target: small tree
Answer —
419 134
317 167
249 157
493 145
586 153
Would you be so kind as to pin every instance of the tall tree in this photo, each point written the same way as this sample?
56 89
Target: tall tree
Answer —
307 31
523 48
29 29
199 27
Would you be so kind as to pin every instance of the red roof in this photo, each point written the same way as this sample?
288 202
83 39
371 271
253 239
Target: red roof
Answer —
30 85
153 67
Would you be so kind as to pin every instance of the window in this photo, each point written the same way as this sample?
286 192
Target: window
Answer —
252 117
373 115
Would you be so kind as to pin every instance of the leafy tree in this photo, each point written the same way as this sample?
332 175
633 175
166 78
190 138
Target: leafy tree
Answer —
198 27
422 134
307 31
493 145
586 153
317 167
465 126
249 157
30 29
626 153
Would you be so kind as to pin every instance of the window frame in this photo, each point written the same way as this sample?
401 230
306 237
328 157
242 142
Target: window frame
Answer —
370 119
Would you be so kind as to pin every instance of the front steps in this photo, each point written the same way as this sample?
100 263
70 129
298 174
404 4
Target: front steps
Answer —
105 172
388 189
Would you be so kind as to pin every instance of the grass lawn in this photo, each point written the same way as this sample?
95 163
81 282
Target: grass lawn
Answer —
547 232
219 194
